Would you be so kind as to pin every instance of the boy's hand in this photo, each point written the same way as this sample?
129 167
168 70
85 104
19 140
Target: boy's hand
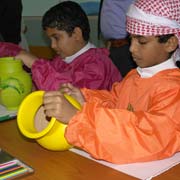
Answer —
56 105
73 91
27 58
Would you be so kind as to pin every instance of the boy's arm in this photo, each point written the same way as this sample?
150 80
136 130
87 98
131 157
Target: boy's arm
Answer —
88 70
27 58
9 49
56 105
121 136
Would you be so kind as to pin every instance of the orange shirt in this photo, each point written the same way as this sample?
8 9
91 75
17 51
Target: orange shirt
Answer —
138 120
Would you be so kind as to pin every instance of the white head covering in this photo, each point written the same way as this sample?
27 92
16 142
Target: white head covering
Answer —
155 17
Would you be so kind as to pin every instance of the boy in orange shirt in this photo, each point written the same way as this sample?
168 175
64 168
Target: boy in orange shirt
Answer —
138 120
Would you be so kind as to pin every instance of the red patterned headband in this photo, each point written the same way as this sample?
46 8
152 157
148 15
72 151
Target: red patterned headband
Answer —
150 17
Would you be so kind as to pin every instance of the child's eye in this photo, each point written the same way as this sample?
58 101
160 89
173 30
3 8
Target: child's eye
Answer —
56 38
142 41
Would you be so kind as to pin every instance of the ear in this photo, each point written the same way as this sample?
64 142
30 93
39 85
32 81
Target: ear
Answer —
77 33
171 44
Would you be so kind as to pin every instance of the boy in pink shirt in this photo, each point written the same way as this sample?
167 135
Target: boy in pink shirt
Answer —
78 61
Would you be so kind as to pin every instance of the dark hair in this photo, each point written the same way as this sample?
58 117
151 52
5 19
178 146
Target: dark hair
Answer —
164 39
66 16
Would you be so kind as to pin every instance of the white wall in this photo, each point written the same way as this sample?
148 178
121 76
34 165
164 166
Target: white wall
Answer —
38 7
33 11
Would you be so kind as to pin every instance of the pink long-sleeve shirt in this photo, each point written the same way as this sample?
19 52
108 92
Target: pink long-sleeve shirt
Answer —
93 69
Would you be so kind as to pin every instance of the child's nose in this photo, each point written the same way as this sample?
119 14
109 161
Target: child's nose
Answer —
132 46
53 44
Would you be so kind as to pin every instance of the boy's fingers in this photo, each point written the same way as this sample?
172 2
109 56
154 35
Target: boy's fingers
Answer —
52 93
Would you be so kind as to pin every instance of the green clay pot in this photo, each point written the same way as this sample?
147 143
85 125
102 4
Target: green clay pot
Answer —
15 83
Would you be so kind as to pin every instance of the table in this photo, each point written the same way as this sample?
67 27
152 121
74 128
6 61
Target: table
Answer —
66 165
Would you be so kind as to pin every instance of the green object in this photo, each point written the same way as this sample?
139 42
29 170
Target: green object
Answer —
15 83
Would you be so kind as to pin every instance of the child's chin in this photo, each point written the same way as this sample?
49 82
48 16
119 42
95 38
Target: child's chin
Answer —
62 57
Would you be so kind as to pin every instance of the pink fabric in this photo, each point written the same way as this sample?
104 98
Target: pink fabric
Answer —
9 49
92 69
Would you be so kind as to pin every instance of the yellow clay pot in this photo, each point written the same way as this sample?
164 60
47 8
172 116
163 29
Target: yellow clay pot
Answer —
33 123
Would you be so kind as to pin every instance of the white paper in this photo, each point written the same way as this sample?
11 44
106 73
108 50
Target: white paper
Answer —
5 114
143 171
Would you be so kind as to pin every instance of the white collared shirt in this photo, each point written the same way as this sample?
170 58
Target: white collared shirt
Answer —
69 59
151 71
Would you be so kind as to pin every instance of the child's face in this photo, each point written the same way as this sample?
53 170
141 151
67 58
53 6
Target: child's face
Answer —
147 51
64 44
